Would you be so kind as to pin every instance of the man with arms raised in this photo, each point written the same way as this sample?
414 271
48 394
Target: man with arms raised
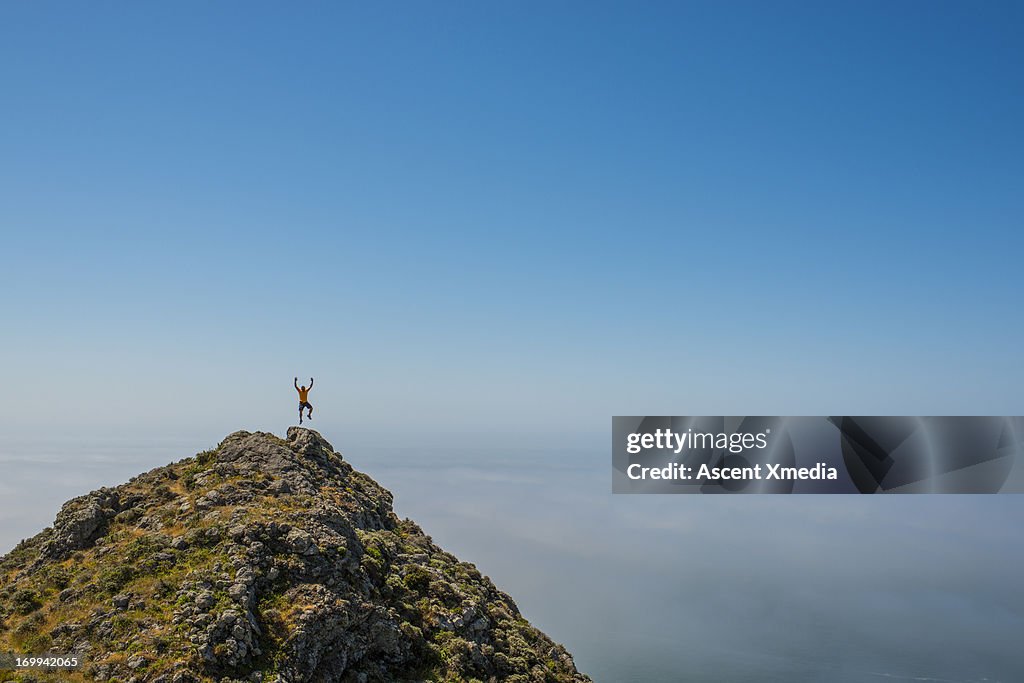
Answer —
304 399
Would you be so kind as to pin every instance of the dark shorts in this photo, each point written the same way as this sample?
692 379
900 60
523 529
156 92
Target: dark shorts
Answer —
305 404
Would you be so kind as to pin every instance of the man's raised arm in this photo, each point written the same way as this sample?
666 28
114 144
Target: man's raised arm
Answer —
296 384
310 382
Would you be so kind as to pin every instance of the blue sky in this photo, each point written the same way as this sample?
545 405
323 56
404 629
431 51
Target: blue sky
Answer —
515 218
488 227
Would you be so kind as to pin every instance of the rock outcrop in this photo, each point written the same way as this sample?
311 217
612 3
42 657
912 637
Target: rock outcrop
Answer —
262 560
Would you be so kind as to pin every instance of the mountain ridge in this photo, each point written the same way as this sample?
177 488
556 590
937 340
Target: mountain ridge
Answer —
264 559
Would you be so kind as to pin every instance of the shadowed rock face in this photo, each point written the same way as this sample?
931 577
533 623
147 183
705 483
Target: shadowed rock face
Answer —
263 560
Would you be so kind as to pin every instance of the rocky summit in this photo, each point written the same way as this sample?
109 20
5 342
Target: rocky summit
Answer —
263 560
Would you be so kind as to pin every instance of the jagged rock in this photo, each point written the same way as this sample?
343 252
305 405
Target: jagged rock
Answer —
266 560
80 523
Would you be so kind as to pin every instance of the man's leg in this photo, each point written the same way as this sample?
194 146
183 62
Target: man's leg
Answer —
309 413
300 413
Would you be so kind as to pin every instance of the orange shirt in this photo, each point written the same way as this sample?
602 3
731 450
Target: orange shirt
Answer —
303 395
